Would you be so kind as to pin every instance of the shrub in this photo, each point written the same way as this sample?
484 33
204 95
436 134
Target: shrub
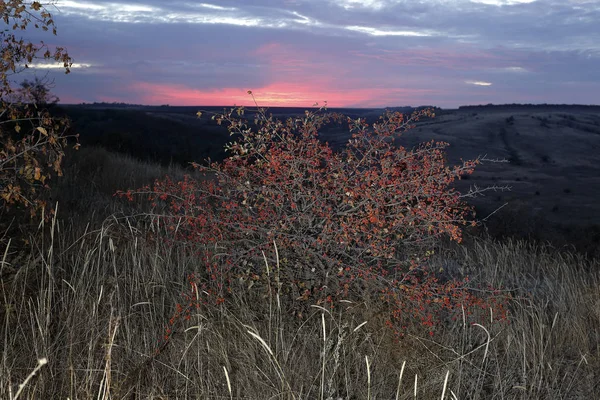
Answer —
359 222
31 140
37 92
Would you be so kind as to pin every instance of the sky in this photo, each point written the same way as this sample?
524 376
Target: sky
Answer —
349 53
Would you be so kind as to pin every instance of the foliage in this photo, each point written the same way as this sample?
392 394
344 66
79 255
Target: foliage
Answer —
37 92
31 140
369 214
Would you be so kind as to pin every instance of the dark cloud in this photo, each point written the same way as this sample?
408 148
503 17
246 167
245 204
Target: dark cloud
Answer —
355 53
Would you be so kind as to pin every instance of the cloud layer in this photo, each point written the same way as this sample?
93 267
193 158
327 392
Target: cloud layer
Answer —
351 53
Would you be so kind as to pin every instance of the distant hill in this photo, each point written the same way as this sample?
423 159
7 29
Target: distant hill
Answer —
515 106
552 152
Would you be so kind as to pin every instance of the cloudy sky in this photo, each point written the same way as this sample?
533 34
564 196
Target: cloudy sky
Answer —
350 53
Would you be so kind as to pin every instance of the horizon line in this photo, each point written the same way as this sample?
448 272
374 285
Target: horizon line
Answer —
124 104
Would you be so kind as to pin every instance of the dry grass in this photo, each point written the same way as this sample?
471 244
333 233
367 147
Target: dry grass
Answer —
94 300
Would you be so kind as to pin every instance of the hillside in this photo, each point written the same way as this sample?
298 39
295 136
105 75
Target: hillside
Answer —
551 152
110 301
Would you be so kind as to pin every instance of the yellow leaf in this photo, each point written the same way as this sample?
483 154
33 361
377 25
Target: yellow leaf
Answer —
18 128
42 130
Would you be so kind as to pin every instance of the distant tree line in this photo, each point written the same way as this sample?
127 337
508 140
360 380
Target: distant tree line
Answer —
521 106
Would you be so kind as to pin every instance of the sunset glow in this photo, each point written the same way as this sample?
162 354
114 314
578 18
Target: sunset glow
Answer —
351 53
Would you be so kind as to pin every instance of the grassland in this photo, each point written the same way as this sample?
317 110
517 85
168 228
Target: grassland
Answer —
92 291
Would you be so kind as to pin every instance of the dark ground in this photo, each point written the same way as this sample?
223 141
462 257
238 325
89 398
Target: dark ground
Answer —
551 151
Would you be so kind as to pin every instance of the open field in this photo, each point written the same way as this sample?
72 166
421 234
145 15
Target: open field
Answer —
553 165
93 291
552 154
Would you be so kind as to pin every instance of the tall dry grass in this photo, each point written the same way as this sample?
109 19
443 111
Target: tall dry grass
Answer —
94 299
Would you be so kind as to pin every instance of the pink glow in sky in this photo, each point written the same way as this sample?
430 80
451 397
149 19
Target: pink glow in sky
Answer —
275 94
351 54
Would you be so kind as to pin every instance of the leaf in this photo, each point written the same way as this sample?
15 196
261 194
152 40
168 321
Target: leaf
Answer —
42 130
17 128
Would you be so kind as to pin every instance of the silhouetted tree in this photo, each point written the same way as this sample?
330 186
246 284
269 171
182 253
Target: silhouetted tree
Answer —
37 92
